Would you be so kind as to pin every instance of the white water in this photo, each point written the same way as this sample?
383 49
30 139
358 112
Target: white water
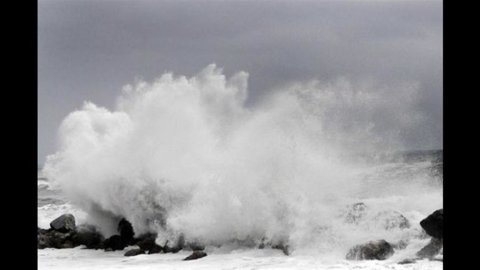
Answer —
85 259
185 155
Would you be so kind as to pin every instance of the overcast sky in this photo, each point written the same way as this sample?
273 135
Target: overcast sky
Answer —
87 50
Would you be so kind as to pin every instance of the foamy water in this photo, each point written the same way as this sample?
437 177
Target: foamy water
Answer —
186 156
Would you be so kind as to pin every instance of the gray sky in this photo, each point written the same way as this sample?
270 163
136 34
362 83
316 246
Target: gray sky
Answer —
87 50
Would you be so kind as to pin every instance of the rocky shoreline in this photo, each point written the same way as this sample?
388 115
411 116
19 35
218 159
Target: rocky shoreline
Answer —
64 233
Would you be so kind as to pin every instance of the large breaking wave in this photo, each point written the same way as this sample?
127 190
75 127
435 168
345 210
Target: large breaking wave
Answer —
186 156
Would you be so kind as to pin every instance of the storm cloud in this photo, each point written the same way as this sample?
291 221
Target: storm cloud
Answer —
87 50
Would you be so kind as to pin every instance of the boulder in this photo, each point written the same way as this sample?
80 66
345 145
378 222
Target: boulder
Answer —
114 242
197 254
64 223
433 224
431 249
134 252
373 250
89 236
125 230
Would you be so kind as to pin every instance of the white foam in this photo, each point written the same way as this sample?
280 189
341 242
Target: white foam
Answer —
187 153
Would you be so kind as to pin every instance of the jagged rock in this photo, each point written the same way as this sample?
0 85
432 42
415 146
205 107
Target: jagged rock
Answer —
373 250
63 223
197 254
431 249
391 220
134 252
355 213
433 224
114 242
89 236
125 230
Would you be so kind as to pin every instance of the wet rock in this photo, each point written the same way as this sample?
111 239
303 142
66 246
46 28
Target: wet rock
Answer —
64 223
283 247
155 249
407 261
355 213
126 232
114 242
391 220
134 252
433 224
373 250
147 243
196 255
89 236
55 239
431 249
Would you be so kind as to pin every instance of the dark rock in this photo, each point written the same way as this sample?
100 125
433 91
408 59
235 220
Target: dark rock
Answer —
134 252
392 220
433 224
355 213
55 239
67 244
146 242
89 236
374 250
114 242
126 232
63 223
197 254
407 261
155 249
283 247
431 249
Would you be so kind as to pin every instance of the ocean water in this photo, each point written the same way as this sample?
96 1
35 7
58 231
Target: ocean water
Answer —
424 168
186 156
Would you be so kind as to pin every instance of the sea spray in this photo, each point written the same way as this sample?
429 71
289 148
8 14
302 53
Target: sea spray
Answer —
186 156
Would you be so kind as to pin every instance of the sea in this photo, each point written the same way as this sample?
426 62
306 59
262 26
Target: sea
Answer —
409 183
